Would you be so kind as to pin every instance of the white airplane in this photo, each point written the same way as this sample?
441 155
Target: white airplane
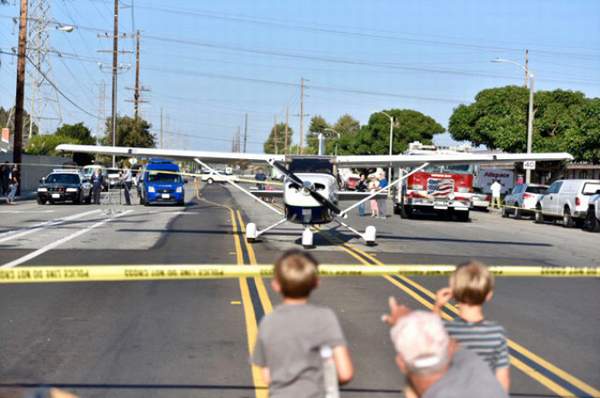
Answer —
310 188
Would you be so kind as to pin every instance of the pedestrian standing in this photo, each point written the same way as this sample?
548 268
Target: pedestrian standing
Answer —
373 186
97 181
4 178
496 189
12 188
382 203
127 182
362 187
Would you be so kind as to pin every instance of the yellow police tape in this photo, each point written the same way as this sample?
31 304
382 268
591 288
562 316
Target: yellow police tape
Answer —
99 273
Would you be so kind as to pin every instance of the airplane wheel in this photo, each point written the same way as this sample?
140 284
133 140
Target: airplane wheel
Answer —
370 235
210 181
251 232
307 238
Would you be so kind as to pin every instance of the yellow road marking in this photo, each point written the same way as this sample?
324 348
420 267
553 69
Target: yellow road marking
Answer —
511 343
235 302
260 390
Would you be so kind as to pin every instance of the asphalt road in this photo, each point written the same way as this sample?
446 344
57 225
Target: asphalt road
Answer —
180 339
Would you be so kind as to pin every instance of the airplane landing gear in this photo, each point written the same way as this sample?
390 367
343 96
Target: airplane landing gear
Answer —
307 238
251 232
370 235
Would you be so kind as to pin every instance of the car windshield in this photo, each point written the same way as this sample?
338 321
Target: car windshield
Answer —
166 178
590 188
536 189
62 179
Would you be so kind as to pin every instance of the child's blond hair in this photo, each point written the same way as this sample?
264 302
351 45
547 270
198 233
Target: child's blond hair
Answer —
471 283
297 273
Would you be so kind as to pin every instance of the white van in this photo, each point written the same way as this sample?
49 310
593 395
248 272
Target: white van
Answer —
566 199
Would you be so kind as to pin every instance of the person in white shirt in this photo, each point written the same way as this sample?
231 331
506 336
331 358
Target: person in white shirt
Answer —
496 189
127 181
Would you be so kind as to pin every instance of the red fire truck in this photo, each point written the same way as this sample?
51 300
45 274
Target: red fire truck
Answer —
443 190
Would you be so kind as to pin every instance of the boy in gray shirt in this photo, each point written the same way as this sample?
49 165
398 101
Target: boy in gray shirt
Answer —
290 338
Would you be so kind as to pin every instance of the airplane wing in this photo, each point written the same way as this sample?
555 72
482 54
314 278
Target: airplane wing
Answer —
179 154
266 193
354 195
367 161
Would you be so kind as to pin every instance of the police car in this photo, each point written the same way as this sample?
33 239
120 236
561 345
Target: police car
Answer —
64 185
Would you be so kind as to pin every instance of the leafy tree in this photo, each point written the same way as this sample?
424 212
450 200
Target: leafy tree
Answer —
78 131
563 121
130 132
318 124
347 125
45 144
373 138
277 131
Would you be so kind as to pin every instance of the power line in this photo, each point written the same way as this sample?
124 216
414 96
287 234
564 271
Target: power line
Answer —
58 90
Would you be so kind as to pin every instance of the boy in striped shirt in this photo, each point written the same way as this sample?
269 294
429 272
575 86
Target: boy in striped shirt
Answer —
471 285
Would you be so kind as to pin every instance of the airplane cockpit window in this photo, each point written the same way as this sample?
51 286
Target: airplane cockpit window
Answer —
311 165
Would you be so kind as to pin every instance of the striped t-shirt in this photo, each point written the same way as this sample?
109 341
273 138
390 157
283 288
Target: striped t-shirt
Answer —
486 338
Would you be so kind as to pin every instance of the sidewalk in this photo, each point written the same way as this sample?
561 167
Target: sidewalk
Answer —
29 195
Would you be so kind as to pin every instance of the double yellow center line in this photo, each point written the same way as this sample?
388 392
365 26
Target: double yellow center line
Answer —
555 379
255 299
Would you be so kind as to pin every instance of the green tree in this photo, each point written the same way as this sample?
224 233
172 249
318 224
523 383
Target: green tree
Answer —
564 121
45 144
373 138
318 124
130 132
7 119
277 138
78 131
347 127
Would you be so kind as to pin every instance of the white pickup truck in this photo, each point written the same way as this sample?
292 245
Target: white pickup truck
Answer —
566 199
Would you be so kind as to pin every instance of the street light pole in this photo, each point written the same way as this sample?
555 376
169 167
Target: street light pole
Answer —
530 114
390 149
530 124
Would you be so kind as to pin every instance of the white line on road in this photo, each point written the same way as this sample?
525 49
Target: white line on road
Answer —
59 242
6 236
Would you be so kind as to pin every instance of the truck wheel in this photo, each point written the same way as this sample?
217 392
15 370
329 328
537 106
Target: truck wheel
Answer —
567 220
505 212
539 217
462 216
591 223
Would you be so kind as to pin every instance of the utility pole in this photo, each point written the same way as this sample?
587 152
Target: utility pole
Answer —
276 136
301 115
237 140
286 143
20 91
136 92
161 128
245 131
526 67
115 66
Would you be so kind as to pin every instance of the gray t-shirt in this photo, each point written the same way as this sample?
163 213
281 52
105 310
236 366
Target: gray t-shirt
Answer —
467 377
289 342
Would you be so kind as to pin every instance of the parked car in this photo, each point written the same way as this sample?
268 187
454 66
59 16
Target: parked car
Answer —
523 199
160 183
566 199
479 199
64 185
592 220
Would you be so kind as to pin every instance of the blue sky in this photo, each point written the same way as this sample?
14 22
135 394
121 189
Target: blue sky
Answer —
207 63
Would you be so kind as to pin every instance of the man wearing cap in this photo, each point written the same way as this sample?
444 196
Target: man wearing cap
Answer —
434 365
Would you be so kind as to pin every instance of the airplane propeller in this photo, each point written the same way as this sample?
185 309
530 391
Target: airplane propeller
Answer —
308 187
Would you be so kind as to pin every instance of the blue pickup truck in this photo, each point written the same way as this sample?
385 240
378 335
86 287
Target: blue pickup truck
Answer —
159 183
